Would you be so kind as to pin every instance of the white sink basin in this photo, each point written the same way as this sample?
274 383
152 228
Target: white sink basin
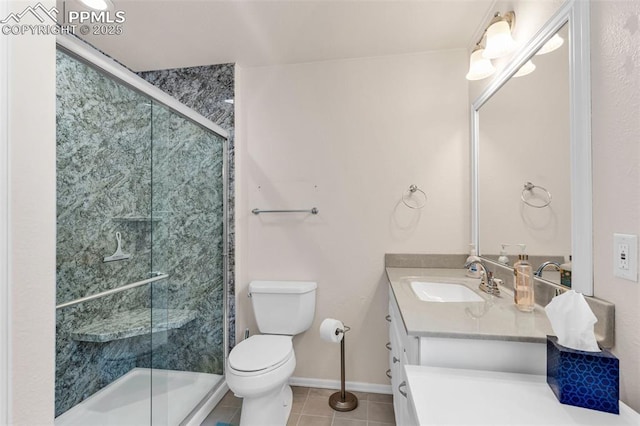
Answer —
443 292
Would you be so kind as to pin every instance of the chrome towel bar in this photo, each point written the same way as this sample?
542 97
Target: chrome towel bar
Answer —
112 291
313 210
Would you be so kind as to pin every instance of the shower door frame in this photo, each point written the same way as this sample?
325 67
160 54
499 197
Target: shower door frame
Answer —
85 53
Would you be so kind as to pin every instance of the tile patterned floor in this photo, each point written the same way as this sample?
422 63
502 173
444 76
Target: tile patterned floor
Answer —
311 408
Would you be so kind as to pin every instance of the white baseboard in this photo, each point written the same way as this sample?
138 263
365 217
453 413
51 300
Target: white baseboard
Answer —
335 384
208 406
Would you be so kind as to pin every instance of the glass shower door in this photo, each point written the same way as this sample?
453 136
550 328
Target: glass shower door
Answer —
188 245
103 253
140 333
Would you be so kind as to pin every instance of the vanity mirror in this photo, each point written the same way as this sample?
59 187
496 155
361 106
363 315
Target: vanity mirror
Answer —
524 163
531 152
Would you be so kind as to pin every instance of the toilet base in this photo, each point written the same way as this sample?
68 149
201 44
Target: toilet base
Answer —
272 408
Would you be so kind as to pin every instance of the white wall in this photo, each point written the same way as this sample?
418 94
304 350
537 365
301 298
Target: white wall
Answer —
615 83
32 226
4 225
349 137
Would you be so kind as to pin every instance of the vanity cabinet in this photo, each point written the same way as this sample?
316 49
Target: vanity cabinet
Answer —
403 350
488 353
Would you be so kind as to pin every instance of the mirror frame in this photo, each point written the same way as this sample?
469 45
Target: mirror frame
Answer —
576 13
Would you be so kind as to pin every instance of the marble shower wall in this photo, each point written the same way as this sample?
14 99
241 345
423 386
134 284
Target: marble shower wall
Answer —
128 165
207 89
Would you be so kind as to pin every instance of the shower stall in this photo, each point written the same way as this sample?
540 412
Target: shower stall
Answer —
141 334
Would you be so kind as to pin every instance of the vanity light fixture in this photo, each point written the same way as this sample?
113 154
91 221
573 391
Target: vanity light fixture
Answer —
96 4
499 40
498 43
554 42
479 66
527 68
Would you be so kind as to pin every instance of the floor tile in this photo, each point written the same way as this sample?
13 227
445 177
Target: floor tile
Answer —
317 406
293 419
230 400
314 421
360 412
298 404
380 412
362 396
311 408
322 392
380 397
235 421
300 391
348 422
220 414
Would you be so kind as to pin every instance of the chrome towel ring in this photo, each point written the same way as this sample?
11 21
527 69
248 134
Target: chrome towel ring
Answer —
529 187
412 190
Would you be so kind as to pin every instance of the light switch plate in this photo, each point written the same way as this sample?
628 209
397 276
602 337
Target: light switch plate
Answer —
625 256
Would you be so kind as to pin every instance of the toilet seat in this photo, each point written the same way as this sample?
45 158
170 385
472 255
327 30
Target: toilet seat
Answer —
260 353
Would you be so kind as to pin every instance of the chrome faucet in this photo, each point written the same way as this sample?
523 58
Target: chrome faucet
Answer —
542 267
487 283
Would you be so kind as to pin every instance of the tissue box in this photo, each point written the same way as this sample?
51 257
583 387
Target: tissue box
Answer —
583 379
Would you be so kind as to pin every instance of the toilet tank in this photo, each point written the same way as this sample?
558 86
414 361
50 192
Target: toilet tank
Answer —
283 307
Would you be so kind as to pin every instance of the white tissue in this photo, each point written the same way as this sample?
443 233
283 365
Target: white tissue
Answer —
572 321
328 330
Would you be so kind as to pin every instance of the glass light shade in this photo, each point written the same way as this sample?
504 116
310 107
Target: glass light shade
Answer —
527 68
96 4
554 42
479 66
499 40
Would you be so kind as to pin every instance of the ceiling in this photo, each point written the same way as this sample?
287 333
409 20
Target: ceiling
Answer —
184 33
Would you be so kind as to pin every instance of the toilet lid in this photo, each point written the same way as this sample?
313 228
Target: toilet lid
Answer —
260 352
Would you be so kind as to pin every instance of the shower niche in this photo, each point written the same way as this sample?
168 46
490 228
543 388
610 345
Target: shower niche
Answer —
141 267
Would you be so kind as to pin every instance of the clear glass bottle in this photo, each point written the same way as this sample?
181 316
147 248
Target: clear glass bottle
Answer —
523 290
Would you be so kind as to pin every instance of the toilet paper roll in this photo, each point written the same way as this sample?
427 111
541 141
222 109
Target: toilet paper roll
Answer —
328 330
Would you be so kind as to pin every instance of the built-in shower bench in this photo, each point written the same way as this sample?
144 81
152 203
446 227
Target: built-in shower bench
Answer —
133 323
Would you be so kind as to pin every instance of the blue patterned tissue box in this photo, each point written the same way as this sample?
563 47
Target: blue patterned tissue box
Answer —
583 379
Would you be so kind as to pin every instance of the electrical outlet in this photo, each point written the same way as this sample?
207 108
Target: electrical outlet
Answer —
625 256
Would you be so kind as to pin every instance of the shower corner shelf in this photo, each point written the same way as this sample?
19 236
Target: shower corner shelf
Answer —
136 219
138 322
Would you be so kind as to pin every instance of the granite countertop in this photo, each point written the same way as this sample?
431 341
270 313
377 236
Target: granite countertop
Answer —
497 318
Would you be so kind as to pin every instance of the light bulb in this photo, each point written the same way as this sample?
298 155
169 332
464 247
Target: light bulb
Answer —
479 67
96 4
499 40
554 42
527 68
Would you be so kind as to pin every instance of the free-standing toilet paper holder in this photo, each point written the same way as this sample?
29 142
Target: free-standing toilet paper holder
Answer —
343 400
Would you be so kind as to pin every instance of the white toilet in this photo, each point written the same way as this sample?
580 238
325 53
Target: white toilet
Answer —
258 368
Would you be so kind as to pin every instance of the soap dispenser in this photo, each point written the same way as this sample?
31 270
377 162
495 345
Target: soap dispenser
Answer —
503 255
523 286
473 271
565 273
